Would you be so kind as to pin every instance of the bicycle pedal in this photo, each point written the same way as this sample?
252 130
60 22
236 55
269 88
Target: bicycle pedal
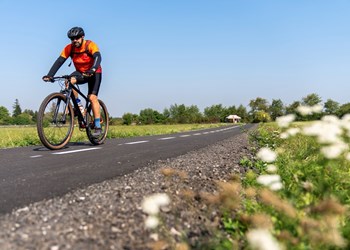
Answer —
82 125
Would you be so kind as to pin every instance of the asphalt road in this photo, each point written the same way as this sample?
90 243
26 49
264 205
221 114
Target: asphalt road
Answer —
31 174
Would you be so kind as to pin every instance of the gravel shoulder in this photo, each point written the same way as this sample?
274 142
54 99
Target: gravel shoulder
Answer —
108 215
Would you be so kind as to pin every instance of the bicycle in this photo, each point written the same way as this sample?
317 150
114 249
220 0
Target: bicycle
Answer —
55 120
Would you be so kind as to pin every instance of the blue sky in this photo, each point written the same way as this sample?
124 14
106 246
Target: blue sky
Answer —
157 53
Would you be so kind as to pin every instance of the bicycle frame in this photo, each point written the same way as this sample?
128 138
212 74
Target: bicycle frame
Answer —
69 91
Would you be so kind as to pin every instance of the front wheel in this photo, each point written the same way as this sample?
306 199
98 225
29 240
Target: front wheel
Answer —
55 121
91 126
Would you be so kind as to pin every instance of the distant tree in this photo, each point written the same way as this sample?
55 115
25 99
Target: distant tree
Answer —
22 119
116 121
261 116
32 115
195 116
232 110
166 115
129 118
331 107
215 113
259 104
292 108
150 116
243 113
181 113
178 113
35 116
276 109
5 117
344 109
29 111
256 106
146 116
16 109
311 100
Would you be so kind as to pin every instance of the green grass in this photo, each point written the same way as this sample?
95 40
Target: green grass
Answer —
309 210
317 189
19 136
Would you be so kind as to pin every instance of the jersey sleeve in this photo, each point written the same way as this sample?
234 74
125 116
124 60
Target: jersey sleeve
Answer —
66 51
93 48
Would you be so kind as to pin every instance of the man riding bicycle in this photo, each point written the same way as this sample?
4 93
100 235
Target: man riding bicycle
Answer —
86 58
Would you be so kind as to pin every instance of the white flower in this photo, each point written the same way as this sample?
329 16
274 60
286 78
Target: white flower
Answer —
333 151
284 135
325 131
290 132
275 186
268 179
271 168
272 181
267 155
262 239
346 118
284 121
345 123
150 207
347 156
308 110
330 119
293 131
304 110
152 203
331 134
151 222
316 108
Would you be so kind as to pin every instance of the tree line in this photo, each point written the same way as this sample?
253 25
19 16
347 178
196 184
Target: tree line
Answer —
18 117
260 111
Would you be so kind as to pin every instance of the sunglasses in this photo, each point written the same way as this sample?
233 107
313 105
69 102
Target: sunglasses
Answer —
75 38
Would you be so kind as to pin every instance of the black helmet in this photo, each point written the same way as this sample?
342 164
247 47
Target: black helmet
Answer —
75 32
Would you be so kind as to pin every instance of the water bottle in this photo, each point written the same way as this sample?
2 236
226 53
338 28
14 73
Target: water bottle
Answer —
80 105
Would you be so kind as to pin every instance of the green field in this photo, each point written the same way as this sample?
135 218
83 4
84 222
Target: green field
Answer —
19 136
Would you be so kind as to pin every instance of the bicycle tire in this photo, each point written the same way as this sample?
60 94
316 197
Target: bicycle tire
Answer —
55 133
91 126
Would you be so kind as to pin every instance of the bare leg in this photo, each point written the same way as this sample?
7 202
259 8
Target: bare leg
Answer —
95 106
73 80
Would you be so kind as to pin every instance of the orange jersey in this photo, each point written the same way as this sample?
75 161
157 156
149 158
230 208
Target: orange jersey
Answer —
82 61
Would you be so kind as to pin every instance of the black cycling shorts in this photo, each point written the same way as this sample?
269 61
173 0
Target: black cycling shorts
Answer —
94 81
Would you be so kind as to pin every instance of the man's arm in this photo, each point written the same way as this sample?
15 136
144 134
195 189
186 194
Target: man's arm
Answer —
55 67
97 60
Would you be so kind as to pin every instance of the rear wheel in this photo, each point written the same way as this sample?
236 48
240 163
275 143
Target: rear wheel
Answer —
55 124
97 140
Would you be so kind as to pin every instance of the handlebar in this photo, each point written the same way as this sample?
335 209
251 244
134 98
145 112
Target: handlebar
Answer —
63 77
60 77
55 78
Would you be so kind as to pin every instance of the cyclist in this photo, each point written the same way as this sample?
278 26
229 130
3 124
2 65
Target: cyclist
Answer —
86 58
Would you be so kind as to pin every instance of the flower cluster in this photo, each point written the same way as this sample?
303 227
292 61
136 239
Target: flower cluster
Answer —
309 110
329 131
332 134
151 205
272 181
262 239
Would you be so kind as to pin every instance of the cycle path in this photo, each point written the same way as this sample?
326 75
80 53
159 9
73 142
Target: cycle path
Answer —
30 174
